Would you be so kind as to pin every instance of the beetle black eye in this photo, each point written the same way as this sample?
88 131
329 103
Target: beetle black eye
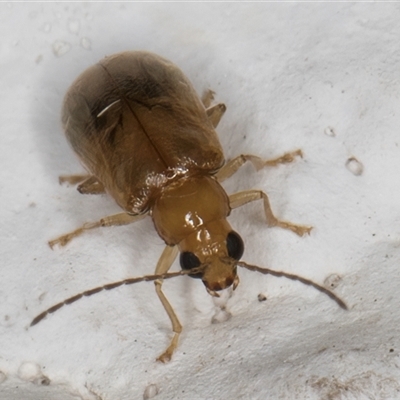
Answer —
234 245
188 261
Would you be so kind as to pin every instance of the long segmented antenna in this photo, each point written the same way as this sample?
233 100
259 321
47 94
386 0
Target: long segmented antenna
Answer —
294 277
109 286
169 275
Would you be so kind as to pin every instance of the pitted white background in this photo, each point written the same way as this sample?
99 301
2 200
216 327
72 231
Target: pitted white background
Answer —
322 77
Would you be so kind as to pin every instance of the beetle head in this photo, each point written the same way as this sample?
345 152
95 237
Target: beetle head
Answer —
217 262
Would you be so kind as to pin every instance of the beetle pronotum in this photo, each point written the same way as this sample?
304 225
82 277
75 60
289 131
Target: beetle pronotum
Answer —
149 141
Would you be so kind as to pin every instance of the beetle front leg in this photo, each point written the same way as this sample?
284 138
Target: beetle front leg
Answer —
233 165
242 198
164 264
112 220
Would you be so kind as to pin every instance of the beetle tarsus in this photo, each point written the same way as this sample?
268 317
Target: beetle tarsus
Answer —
300 230
72 179
65 239
287 158
167 355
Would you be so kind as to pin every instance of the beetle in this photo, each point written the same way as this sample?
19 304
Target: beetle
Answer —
148 140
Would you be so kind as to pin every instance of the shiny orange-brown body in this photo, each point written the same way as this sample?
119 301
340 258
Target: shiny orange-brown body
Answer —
137 125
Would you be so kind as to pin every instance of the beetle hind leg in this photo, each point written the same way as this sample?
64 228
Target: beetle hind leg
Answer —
207 97
91 186
215 113
239 199
87 184
72 179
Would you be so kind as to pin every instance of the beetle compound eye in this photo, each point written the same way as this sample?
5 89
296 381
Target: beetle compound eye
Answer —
234 245
188 261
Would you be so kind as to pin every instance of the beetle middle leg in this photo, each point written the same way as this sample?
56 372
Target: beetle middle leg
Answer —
111 220
239 199
233 165
164 264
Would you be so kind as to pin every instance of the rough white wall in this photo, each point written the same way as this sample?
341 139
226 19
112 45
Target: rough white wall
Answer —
320 77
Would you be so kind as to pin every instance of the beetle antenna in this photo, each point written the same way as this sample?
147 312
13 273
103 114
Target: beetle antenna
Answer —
294 277
109 286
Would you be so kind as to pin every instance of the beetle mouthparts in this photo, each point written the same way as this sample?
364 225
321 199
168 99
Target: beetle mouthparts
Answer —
212 292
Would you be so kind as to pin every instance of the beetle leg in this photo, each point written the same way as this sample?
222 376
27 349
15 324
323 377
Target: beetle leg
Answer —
89 185
72 179
164 264
215 113
233 165
207 97
242 198
111 220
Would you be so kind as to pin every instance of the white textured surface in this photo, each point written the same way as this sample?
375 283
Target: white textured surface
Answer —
321 77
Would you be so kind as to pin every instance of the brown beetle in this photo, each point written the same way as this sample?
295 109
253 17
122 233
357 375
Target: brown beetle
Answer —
146 139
